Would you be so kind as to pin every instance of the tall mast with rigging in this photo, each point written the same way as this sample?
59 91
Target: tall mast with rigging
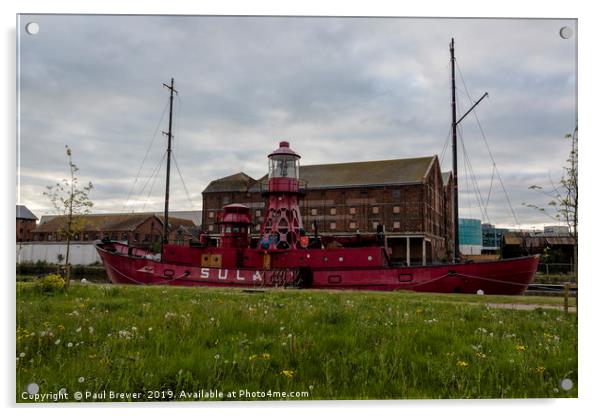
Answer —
455 149
169 135
454 153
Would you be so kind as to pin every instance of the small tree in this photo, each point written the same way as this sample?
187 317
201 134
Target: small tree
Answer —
71 201
564 196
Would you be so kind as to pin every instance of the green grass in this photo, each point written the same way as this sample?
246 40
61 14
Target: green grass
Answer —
333 345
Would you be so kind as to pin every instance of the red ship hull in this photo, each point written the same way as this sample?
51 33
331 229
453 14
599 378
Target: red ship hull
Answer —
503 277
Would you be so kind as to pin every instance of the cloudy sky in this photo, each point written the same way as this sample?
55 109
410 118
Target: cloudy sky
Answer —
339 89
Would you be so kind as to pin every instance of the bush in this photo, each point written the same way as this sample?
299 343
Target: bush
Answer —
51 283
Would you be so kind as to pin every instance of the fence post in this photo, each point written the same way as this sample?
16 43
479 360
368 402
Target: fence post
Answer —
566 298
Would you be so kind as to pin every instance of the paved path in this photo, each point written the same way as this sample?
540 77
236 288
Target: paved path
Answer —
528 306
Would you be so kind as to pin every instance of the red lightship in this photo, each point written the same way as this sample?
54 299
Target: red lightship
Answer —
285 257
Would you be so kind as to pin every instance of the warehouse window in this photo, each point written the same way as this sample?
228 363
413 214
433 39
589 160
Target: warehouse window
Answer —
258 213
352 225
375 210
396 209
333 211
210 228
374 224
396 225
314 211
333 225
211 214
352 210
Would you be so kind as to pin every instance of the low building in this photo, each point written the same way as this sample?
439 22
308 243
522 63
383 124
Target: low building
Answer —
492 238
26 223
142 230
410 198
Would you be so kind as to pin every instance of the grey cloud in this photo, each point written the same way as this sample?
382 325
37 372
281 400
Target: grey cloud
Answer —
339 89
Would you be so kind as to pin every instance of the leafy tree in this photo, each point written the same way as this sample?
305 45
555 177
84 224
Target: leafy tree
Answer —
71 201
563 204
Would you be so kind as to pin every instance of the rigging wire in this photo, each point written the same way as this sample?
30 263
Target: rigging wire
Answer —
478 196
153 176
185 188
145 157
495 169
153 183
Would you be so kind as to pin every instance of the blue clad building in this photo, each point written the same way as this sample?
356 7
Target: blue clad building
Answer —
470 235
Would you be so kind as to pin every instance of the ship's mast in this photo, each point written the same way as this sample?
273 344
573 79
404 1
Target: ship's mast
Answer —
455 149
455 153
169 135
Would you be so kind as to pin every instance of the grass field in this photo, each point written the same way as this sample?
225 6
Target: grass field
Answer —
182 343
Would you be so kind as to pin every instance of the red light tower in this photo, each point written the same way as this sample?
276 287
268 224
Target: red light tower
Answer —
282 223
235 222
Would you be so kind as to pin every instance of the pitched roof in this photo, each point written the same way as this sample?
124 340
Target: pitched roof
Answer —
352 174
446 176
380 172
107 222
337 175
239 182
25 214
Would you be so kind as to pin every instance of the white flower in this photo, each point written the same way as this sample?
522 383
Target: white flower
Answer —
57 342
22 355
69 345
81 379
216 356
90 329
150 329
282 328
134 328
78 329
290 335
63 391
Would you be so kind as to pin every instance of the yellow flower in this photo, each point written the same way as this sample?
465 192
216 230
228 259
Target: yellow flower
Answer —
481 355
252 357
266 356
521 348
462 364
540 369
287 373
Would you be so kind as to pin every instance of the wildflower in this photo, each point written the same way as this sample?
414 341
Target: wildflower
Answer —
266 356
57 342
481 355
90 329
78 329
22 355
253 357
150 329
69 345
540 369
216 356
290 335
287 373
521 348
134 328
282 328
81 379
462 364
311 387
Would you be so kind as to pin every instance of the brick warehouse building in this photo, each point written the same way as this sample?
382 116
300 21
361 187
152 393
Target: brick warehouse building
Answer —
411 198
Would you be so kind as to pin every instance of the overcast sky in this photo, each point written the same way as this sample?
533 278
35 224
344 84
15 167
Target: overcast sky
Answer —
339 89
